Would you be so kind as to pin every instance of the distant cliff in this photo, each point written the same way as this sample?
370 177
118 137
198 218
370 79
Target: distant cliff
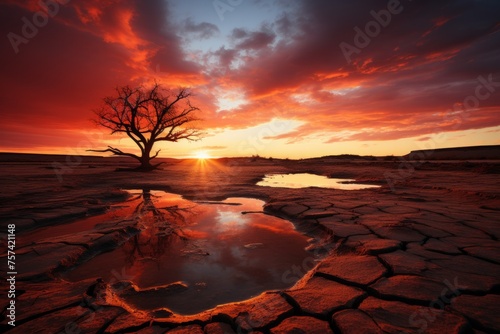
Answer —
488 152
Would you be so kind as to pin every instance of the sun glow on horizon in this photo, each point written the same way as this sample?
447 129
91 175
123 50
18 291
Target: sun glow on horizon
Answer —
202 155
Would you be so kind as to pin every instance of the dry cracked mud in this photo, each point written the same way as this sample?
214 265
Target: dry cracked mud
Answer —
420 255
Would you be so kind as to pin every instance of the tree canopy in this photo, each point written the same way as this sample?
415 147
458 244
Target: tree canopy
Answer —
148 116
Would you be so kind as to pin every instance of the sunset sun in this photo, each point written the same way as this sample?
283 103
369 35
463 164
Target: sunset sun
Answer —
202 155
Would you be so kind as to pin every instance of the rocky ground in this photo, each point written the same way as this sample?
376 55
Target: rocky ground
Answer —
418 255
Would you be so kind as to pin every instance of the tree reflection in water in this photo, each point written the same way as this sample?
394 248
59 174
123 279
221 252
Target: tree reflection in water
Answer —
161 228
191 256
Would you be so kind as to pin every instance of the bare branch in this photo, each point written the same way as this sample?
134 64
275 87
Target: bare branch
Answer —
148 115
156 154
116 151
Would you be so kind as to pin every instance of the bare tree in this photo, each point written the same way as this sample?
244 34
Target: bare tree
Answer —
148 116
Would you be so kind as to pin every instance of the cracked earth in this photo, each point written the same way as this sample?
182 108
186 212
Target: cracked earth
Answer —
419 256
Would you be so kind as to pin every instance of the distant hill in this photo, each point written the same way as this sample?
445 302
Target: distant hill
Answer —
486 152
350 157
34 157
49 158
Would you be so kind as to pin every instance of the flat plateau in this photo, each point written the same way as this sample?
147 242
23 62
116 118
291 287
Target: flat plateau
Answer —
419 254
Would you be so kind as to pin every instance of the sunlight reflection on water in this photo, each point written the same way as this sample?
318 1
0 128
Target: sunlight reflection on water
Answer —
305 180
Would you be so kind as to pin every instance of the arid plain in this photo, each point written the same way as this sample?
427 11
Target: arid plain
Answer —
419 254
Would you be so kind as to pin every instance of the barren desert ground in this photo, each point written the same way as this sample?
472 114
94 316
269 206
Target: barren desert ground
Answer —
419 254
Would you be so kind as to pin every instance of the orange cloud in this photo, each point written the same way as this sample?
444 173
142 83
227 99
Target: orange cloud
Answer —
401 85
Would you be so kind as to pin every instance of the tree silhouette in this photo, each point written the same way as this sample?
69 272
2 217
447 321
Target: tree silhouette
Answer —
148 116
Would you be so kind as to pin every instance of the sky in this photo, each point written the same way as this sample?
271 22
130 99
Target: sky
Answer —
276 78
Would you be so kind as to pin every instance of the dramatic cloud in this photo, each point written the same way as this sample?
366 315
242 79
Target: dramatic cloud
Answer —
343 71
425 61
252 40
201 30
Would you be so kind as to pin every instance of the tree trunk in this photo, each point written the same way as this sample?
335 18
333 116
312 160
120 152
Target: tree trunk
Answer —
146 160
146 166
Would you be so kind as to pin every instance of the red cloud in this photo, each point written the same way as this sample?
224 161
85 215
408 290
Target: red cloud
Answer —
402 84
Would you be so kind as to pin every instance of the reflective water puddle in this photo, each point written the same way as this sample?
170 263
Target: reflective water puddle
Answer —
191 256
305 180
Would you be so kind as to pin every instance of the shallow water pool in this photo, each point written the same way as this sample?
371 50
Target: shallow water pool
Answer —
208 252
305 180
